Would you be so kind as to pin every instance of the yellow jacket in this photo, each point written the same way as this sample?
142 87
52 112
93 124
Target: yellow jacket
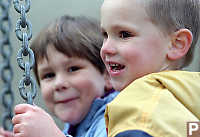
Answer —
160 104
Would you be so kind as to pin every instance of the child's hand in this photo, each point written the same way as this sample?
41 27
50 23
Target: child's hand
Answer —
4 133
32 121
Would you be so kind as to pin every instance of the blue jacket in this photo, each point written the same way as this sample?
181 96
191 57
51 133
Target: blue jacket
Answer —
94 123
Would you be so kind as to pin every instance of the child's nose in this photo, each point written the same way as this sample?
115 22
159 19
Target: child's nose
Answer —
60 83
108 47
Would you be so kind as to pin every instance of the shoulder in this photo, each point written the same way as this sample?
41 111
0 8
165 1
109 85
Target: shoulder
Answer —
133 133
146 100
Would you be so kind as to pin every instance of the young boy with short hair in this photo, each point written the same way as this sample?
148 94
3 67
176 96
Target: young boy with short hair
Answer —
146 44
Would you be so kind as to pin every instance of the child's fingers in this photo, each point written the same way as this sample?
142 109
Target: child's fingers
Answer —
19 135
16 129
22 108
16 119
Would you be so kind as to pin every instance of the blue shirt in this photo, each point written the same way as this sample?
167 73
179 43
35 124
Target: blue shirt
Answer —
94 123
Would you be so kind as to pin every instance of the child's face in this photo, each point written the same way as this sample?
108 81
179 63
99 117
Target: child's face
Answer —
133 46
69 85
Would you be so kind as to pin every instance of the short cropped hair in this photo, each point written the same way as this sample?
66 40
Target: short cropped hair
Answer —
172 15
73 36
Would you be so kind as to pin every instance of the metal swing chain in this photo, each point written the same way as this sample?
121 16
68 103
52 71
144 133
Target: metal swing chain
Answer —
6 71
25 35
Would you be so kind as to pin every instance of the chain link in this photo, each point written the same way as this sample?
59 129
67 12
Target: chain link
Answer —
6 71
24 33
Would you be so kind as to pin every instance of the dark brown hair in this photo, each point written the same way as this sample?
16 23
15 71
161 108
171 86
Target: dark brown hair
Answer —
172 15
73 36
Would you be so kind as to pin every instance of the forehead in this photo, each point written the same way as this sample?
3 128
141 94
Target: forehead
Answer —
52 56
123 4
122 11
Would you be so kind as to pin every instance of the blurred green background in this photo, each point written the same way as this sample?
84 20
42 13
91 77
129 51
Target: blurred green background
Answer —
40 14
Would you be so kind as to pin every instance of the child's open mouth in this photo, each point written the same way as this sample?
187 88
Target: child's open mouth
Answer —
116 67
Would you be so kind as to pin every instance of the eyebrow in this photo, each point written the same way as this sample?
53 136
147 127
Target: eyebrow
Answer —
42 70
69 61
122 26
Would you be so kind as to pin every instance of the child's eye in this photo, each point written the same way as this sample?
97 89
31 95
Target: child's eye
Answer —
124 34
48 76
73 68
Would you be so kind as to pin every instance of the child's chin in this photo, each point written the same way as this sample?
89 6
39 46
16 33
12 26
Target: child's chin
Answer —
118 86
71 119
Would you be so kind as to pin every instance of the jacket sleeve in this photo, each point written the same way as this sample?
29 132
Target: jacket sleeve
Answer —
133 133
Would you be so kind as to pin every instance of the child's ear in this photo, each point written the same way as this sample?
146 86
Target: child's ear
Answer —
180 44
108 85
